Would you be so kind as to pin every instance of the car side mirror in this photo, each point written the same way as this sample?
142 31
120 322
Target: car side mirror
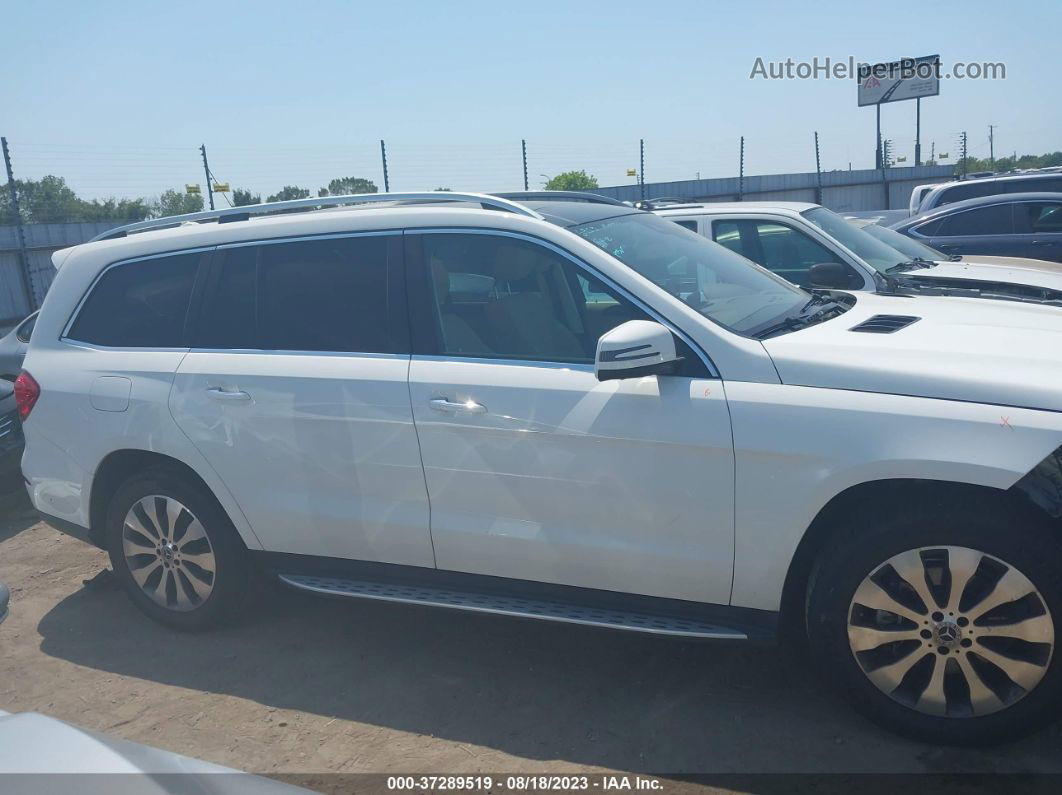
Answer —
635 349
830 274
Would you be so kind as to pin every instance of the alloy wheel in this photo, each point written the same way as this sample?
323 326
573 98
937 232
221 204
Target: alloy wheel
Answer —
950 631
168 553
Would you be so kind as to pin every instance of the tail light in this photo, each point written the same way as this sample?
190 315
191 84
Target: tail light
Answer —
27 390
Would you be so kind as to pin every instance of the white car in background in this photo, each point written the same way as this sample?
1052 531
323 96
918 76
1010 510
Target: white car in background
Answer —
569 411
814 247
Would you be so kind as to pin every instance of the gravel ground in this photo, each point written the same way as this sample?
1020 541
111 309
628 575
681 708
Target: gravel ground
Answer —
306 685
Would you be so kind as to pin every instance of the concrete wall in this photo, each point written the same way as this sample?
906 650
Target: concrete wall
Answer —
42 240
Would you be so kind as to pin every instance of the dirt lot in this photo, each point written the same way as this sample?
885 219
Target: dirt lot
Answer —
316 685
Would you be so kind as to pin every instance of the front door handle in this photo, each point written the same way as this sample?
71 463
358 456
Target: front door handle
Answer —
467 407
1043 242
218 393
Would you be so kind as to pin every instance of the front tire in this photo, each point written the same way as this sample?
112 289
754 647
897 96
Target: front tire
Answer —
175 552
942 627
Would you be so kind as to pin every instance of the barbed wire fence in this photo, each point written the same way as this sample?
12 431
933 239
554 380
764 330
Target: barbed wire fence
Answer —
109 184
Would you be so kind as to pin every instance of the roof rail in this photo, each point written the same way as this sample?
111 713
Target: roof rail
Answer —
231 214
559 195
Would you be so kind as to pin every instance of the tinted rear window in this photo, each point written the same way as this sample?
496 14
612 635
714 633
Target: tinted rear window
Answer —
139 304
311 295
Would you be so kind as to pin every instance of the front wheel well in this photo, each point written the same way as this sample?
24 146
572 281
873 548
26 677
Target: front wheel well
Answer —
119 466
840 517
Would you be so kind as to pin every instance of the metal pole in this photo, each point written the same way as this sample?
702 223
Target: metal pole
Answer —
383 159
964 153
523 151
206 170
877 149
991 145
818 171
641 167
23 257
741 170
884 174
918 131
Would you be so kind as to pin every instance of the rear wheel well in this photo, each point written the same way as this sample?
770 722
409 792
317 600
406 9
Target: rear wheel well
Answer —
119 466
840 517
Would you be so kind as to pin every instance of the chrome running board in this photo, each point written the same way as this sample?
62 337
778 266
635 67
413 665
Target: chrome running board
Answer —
513 606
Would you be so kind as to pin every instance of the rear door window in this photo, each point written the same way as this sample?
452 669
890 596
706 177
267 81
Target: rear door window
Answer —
992 220
327 294
140 304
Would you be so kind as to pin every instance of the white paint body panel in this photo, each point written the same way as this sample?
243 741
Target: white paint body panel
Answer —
624 485
322 458
687 488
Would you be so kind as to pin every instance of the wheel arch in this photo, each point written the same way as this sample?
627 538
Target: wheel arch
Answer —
118 465
872 497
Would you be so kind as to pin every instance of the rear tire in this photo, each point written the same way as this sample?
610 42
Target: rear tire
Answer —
928 665
175 552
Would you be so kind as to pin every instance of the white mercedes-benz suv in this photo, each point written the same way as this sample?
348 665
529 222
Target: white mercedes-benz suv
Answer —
563 409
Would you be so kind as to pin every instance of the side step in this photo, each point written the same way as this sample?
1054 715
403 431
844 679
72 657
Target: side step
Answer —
513 606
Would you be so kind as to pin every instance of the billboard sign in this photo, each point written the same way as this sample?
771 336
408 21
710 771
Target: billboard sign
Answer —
907 78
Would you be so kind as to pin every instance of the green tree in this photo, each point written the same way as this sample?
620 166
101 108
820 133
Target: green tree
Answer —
175 202
572 180
1007 163
345 186
242 197
289 192
50 199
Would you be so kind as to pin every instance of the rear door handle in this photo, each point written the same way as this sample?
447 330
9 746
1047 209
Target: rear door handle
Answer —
1043 243
467 407
217 393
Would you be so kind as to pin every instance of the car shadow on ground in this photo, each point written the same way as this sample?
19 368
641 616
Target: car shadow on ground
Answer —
16 514
532 689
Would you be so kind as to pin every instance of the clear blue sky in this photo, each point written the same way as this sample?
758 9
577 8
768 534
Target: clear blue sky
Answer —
117 96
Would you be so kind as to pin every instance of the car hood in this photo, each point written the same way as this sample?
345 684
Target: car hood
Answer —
1022 263
969 349
1003 278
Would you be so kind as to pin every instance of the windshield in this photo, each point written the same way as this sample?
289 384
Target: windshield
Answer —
721 285
902 243
872 251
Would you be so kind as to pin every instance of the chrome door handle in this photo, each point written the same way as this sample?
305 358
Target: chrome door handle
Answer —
468 407
224 394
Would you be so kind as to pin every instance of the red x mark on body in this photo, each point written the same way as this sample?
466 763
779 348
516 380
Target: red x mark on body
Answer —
1006 423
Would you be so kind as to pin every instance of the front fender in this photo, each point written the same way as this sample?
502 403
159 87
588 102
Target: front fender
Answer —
798 447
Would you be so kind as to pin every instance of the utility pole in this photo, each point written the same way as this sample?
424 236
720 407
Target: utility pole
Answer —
641 167
933 151
23 256
523 149
818 171
991 144
206 171
962 144
918 131
877 138
383 159
741 170
885 148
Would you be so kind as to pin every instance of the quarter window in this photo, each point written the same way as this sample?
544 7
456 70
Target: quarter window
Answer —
139 304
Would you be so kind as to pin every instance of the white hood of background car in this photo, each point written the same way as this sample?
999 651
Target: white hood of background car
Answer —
1035 276
970 349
